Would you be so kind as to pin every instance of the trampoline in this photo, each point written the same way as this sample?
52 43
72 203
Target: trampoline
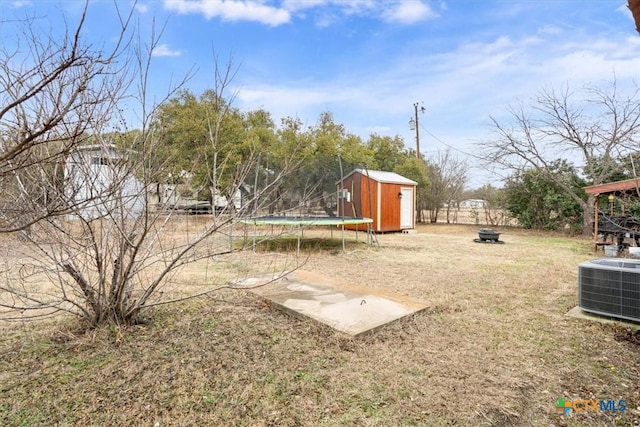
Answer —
310 221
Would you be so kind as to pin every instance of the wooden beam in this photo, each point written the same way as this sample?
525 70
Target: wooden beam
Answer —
611 187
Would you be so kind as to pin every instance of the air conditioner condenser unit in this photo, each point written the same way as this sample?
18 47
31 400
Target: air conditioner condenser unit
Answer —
610 287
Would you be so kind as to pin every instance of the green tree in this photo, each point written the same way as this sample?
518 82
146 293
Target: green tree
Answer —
321 151
211 142
387 152
287 151
538 202
186 125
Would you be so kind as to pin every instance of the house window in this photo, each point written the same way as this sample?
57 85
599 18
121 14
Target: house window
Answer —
100 161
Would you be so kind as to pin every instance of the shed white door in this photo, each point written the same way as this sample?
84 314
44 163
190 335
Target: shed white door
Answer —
406 208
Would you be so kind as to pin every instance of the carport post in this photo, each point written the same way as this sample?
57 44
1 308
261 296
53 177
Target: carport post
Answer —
595 222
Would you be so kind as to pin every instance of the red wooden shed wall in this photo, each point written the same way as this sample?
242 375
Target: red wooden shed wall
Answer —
364 198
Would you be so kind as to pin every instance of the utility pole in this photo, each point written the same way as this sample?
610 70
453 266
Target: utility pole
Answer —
415 124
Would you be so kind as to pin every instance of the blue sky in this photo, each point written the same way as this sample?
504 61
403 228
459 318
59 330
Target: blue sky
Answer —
369 61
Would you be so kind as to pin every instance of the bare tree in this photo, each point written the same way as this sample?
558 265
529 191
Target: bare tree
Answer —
447 176
593 128
493 205
115 255
53 90
103 250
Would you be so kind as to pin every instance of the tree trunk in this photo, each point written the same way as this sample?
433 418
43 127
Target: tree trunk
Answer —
434 216
588 211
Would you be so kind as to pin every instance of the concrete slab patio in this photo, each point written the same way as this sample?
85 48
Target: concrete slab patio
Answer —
351 309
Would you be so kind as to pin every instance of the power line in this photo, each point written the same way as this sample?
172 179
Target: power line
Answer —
450 146
474 156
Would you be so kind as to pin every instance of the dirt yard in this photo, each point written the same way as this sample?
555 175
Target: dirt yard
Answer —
494 348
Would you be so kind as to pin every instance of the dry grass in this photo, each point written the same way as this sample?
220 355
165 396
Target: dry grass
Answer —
495 348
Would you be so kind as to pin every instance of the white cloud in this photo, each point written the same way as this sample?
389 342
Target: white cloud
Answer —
298 5
460 89
408 12
395 11
326 12
21 3
327 19
296 96
164 50
142 8
231 10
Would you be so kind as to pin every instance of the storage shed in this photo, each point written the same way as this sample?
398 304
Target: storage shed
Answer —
99 182
386 197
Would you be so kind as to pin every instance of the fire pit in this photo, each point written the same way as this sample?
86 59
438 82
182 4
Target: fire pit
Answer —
488 236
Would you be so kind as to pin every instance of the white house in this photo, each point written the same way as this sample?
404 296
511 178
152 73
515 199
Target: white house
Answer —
100 182
473 204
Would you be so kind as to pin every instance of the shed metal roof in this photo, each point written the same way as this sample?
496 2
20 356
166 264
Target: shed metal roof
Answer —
383 176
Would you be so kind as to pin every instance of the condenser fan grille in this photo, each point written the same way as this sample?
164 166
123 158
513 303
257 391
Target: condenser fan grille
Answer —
610 287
